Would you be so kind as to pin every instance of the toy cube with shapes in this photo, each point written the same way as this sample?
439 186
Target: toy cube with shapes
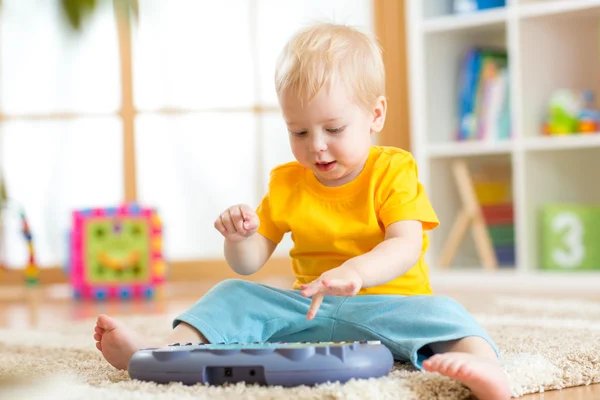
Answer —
570 236
116 253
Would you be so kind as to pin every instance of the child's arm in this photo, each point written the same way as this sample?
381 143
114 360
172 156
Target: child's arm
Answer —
388 260
391 258
245 251
249 255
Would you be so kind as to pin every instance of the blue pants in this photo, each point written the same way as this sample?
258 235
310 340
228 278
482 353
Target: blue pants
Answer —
241 311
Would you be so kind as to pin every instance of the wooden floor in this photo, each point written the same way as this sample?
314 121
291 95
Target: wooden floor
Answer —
50 306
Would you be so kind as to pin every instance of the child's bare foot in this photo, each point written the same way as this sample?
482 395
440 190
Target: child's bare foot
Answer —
484 377
117 342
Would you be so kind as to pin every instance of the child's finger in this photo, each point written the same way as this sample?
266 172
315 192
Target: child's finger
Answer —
251 223
314 306
228 222
338 287
237 219
249 217
246 210
220 226
334 284
312 288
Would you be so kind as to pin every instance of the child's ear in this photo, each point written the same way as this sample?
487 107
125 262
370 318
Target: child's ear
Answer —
379 114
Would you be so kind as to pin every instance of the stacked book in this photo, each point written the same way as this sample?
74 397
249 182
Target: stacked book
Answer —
496 204
500 222
483 104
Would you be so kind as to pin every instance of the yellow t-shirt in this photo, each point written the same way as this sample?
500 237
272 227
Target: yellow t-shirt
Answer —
330 225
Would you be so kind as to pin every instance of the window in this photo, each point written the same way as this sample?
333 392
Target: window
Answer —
205 116
60 133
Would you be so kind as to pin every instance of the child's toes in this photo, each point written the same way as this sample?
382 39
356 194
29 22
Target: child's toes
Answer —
99 346
99 330
432 363
431 360
107 323
464 372
97 337
454 367
446 365
442 363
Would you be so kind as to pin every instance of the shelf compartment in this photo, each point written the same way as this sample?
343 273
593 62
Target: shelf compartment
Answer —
443 59
556 52
553 177
446 202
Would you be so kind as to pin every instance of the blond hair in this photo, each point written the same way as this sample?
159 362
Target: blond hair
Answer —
325 52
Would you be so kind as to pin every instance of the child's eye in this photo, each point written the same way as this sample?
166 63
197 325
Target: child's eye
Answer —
302 133
336 130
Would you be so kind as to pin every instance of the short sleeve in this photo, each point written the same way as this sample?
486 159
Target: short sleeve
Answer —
267 227
403 197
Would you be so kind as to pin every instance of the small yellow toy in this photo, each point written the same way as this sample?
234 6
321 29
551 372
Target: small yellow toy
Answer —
32 270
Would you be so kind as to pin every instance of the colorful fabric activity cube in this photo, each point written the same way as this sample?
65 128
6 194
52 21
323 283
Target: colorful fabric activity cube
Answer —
116 253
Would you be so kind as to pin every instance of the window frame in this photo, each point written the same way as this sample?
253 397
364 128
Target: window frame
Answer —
390 29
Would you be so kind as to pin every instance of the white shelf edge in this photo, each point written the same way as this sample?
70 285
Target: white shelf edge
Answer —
466 149
555 7
464 21
520 281
562 142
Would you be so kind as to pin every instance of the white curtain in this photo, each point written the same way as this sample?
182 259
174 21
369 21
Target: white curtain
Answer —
196 55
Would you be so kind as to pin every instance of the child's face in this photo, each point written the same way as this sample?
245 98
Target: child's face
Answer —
331 135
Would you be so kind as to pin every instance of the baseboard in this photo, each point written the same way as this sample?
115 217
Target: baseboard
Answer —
179 271
216 270
517 281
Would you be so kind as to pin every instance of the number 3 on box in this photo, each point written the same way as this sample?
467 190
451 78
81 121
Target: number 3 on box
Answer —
572 253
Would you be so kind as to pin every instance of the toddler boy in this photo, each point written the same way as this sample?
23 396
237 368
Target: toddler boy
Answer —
359 218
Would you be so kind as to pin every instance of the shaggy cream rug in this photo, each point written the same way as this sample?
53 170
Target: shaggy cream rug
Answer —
545 344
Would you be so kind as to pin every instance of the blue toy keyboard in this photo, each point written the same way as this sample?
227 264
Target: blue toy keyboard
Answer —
284 364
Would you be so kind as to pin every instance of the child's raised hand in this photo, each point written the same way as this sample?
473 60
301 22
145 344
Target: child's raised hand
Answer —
341 281
237 222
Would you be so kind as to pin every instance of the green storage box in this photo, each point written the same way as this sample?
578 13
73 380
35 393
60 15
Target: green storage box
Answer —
570 237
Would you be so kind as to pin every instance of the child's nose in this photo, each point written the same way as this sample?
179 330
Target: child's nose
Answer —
319 143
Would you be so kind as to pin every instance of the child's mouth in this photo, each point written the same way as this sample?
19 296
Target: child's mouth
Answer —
325 166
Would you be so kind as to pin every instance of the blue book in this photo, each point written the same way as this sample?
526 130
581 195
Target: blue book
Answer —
471 68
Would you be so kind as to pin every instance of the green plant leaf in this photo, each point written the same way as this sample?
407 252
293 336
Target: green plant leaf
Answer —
77 10
3 196
134 5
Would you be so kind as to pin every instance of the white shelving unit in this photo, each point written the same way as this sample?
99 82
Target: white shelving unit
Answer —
551 44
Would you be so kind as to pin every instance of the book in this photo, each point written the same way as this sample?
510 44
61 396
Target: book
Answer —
484 106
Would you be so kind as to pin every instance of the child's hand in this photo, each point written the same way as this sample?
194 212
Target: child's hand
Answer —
341 281
237 222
